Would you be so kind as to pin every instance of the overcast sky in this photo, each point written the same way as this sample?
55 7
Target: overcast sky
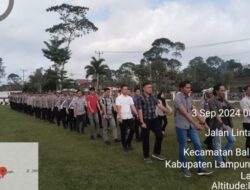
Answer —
126 25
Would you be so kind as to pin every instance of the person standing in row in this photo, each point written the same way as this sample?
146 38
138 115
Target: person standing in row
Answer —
79 104
71 118
44 106
245 106
57 108
136 99
149 121
221 123
63 107
92 110
208 94
125 107
108 120
162 116
186 126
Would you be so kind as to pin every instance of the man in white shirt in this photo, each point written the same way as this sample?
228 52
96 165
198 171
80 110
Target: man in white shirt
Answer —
245 106
125 106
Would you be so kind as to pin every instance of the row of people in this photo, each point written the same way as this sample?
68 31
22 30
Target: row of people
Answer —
144 111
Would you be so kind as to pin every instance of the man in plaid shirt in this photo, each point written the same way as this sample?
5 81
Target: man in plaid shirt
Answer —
149 121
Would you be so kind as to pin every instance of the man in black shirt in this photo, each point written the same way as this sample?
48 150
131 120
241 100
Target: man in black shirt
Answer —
149 121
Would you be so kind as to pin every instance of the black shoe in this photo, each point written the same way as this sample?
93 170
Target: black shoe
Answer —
138 140
186 172
204 171
148 160
99 136
130 147
125 149
117 140
159 157
107 142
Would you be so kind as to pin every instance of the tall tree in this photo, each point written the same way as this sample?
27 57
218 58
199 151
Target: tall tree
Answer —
14 81
36 80
164 51
96 68
74 23
59 56
126 74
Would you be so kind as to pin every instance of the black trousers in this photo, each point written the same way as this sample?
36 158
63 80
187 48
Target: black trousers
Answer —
80 123
57 115
163 122
49 114
137 129
53 114
71 119
44 113
246 127
63 115
126 137
154 125
209 140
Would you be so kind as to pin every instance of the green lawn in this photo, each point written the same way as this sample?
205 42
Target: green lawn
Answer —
69 161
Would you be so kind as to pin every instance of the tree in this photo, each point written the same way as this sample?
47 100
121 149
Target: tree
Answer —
227 78
14 81
142 72
59 56
74 23
96 68
214 61
2 69
126 74
36 80
199 73
50 80
178 48
167 52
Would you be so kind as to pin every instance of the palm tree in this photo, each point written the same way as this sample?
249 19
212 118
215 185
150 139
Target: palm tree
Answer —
96 68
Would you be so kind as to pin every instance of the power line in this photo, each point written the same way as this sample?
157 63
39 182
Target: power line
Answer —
188 47
23 72
219 43
99 53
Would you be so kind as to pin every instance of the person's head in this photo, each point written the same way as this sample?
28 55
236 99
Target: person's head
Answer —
247 90
137 92
219 90
147 88
79 93
106 92
161 95
185 87
124 89
92 91
129 92
209 93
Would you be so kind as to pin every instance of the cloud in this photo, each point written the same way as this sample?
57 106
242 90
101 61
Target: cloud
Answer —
127 25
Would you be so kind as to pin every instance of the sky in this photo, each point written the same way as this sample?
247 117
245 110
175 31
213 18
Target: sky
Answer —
126 25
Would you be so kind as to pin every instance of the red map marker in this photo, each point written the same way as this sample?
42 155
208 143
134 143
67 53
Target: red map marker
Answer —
3 171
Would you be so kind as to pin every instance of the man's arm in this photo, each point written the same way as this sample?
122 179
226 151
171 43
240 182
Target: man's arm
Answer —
213 107
189 117
200 118
165 109
134 109
143 125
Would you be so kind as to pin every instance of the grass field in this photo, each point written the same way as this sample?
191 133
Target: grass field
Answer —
69 161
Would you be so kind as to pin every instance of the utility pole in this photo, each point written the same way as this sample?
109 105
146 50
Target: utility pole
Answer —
99 53
23 72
